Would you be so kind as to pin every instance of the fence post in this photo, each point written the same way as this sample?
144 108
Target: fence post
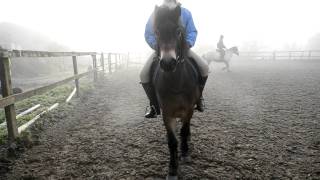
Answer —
102 63
309 55
6 86
116 62
75 70
289 55
274 55
120 61
127 59
95 70
109 63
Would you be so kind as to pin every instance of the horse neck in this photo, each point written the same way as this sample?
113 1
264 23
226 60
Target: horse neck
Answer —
177 75
229 53
180 77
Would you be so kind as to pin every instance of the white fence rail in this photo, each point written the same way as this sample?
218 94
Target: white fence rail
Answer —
281 55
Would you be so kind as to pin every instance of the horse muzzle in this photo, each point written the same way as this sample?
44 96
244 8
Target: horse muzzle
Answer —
168 60
168 65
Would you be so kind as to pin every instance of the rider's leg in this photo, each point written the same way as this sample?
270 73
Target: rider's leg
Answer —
223 53
145 78
202 64
204 70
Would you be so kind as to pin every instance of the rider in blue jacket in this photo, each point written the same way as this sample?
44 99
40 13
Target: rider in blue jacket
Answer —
191 36
187 22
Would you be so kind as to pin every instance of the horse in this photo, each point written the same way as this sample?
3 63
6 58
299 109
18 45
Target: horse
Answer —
176 82
215 56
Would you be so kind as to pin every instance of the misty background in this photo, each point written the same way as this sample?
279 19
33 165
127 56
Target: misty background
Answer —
118 26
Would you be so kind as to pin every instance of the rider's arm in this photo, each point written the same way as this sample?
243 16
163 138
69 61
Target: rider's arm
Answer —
191 31
149 34
223 46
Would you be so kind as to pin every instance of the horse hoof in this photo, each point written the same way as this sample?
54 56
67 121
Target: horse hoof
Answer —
172 177
185 159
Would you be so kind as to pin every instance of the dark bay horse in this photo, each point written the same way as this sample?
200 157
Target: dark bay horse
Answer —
176 81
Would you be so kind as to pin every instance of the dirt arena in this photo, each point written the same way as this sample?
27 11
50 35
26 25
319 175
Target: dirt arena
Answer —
262 121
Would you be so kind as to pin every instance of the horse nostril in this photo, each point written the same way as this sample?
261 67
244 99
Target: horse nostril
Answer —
173 62
161 63
168 64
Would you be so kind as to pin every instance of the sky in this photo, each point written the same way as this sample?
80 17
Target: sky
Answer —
118 25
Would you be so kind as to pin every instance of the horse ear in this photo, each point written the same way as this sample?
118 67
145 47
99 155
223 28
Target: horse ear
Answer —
177 12
156 8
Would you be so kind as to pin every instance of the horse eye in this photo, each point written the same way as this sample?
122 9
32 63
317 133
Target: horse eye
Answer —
157 33
178 32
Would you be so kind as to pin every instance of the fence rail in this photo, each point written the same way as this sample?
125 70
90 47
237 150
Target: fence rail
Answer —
115 61
26 53
282 55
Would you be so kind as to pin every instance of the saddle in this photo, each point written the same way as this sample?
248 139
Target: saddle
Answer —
221 52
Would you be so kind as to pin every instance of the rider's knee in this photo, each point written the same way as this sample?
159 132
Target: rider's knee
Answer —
144 76
205 71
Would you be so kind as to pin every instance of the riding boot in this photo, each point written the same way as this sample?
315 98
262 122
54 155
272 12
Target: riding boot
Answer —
154 105
200 103
222 54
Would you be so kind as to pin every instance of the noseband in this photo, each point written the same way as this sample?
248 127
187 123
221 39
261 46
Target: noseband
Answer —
179 48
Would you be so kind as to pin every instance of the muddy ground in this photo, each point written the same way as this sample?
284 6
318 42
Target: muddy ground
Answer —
261 122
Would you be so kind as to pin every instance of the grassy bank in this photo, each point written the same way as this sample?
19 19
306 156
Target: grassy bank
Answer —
57 95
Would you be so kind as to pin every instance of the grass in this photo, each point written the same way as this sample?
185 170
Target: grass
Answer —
57 95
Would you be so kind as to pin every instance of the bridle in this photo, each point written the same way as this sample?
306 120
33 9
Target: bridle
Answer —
181 44
179 48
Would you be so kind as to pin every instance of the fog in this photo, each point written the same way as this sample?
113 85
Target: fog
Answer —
118 26
252 113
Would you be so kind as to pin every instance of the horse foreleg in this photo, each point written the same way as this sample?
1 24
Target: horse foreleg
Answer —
224 68
227 66
185 137
170 124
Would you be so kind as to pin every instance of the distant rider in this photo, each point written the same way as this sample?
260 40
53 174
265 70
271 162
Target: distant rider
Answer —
221 48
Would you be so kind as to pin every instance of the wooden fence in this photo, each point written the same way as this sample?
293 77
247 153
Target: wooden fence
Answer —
281 55
115 61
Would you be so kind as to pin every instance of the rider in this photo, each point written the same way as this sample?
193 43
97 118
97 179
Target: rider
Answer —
191 35
221 47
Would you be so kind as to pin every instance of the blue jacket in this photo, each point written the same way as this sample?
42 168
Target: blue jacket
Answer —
187 22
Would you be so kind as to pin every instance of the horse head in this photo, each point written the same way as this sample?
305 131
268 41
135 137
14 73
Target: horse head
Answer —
170 37
235 50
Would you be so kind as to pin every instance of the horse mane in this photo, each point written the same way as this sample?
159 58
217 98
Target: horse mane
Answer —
166 17
233 47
